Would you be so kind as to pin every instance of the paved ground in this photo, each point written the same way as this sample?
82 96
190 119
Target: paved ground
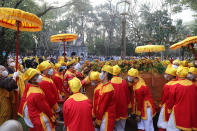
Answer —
131 125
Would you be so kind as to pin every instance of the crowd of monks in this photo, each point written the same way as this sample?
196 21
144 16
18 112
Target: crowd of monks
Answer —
49 92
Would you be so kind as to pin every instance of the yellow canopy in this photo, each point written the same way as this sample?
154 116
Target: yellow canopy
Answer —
185 42
149 48
28 21
63 37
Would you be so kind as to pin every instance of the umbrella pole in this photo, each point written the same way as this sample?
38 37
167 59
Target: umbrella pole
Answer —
149 54
64 51
18 26
194 52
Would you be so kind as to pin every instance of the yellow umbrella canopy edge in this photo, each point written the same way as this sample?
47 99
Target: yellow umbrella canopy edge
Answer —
63 37
149 48
185 42
28 21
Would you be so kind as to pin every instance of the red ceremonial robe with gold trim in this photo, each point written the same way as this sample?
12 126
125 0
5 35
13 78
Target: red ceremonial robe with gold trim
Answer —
23 101
141 100
50 91
77 113
182 101
106 106
58 80
165 97
95 99
38 108
122 97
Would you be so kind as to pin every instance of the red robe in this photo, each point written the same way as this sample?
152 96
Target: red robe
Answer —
39 108
142 99
165 97
50 91
95 99
23 101
77 113
106 106
58 80
122 97
182 101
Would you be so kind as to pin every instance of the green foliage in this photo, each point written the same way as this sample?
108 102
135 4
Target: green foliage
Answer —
160 68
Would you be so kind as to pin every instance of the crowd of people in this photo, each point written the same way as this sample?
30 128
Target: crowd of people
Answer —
45 92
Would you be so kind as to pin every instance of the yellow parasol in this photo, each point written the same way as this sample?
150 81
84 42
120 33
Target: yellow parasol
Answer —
20 21
63 38
188 42
149 48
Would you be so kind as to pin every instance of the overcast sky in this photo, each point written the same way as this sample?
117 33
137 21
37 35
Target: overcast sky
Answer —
186 15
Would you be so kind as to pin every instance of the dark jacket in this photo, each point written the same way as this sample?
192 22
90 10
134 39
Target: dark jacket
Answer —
8 83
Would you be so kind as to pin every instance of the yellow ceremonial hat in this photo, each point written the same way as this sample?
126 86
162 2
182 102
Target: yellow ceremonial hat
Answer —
25 58
94 75
182 72
170 70
116 70
31 57
132 57
184 63
167 62
108 69
44 66
133 72
30 73
70 62
57 65
60 58
75 85
191 64
193 70
177 61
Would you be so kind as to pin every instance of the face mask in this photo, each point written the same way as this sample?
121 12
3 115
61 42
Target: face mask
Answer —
81 62
63 67
3 53
4 74
175 66
191 77
101 76
195 65
130 80
166 77
50 72
12 64
20 62
93 83
39 79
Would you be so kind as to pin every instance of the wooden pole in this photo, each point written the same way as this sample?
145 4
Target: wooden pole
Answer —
17 43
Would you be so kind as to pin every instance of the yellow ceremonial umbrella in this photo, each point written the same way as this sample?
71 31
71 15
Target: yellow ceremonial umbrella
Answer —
63 38
188 42
149 48
20 21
